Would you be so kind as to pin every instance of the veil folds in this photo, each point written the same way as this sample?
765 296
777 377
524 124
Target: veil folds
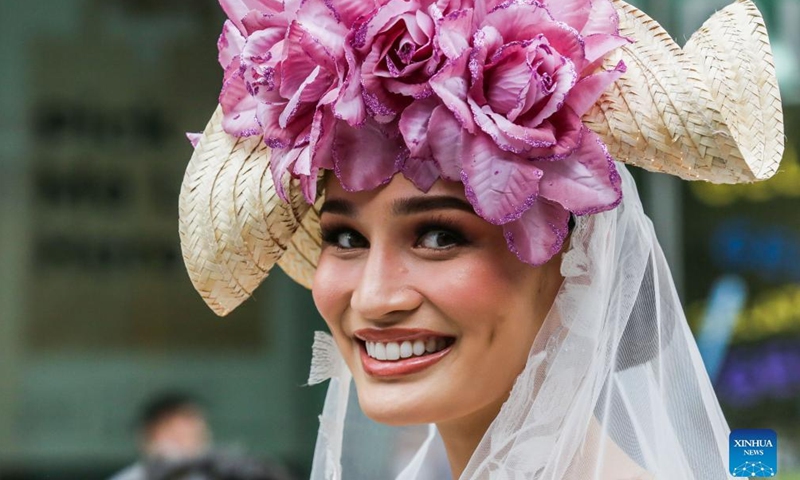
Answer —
614 387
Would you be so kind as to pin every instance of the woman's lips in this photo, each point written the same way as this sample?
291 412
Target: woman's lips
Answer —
421 349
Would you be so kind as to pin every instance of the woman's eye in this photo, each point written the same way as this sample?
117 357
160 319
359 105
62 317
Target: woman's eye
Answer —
439 239
345 239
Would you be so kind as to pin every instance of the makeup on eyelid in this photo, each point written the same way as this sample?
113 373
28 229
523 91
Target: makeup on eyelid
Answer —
454 233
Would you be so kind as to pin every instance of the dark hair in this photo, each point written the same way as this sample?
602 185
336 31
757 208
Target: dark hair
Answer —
165 405
214 467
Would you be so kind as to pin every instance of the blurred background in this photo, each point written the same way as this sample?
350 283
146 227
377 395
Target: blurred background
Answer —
97 315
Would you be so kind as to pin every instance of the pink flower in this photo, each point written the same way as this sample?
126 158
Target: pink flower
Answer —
516 82
487 93
286 65
398 50
396 46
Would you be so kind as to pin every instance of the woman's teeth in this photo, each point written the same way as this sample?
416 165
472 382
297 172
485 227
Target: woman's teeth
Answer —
407 349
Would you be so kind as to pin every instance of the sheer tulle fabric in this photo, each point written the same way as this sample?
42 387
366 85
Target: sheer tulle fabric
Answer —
614 387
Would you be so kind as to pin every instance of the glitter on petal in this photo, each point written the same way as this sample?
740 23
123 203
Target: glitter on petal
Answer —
489 93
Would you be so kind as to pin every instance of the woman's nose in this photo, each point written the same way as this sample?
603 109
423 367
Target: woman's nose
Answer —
384 287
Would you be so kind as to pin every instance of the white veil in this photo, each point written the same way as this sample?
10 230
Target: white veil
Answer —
614 387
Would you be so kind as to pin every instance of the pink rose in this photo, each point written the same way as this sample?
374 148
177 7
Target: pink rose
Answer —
398 51
285 69
507 119
396 48
511 78
487 93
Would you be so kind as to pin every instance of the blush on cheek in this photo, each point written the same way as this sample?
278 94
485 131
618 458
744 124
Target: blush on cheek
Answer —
333 286
324 290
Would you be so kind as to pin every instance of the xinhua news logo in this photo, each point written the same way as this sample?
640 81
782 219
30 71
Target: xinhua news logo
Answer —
753 452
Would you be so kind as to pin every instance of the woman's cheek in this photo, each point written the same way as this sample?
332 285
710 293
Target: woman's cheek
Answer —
329 290
469 282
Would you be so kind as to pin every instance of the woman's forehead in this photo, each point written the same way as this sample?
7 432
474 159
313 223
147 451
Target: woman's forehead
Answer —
398 187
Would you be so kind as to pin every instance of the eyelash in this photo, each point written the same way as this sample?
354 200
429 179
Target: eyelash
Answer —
330 236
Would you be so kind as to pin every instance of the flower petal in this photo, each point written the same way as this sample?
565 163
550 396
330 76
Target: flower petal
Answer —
349 106
260 46
323 25
414 90
499 185
274 135
313 82
523 21
454 33
366 157
599 45
258 20
510 136
194 138
603 18
308 185
422 28
564 80
280 163
237 9
574 13
413 126
372 84
303 55
585 182
239 108
566 128
383 16
350 11
230 44
539 233
321 139
589 89
422 172
448 143
509 78
451 85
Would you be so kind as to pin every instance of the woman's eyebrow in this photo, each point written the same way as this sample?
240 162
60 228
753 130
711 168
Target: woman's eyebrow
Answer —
402 206
420 204
341 207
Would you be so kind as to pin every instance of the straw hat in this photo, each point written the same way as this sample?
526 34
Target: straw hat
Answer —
710 111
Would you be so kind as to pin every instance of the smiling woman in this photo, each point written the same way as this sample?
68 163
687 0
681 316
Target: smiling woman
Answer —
427 304
442 175
516 349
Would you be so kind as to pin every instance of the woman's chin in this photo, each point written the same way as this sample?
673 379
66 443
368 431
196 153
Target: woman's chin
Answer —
390 405
393 419
397 417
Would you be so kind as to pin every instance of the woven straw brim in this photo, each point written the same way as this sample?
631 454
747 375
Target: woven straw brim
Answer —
234 227
710 111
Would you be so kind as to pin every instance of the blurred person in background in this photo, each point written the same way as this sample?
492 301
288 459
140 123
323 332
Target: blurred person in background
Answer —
171 427
214 466
175 443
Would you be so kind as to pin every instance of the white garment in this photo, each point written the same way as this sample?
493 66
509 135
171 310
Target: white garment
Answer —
133 472
614 387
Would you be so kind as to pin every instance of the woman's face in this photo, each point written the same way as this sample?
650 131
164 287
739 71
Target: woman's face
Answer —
432 312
